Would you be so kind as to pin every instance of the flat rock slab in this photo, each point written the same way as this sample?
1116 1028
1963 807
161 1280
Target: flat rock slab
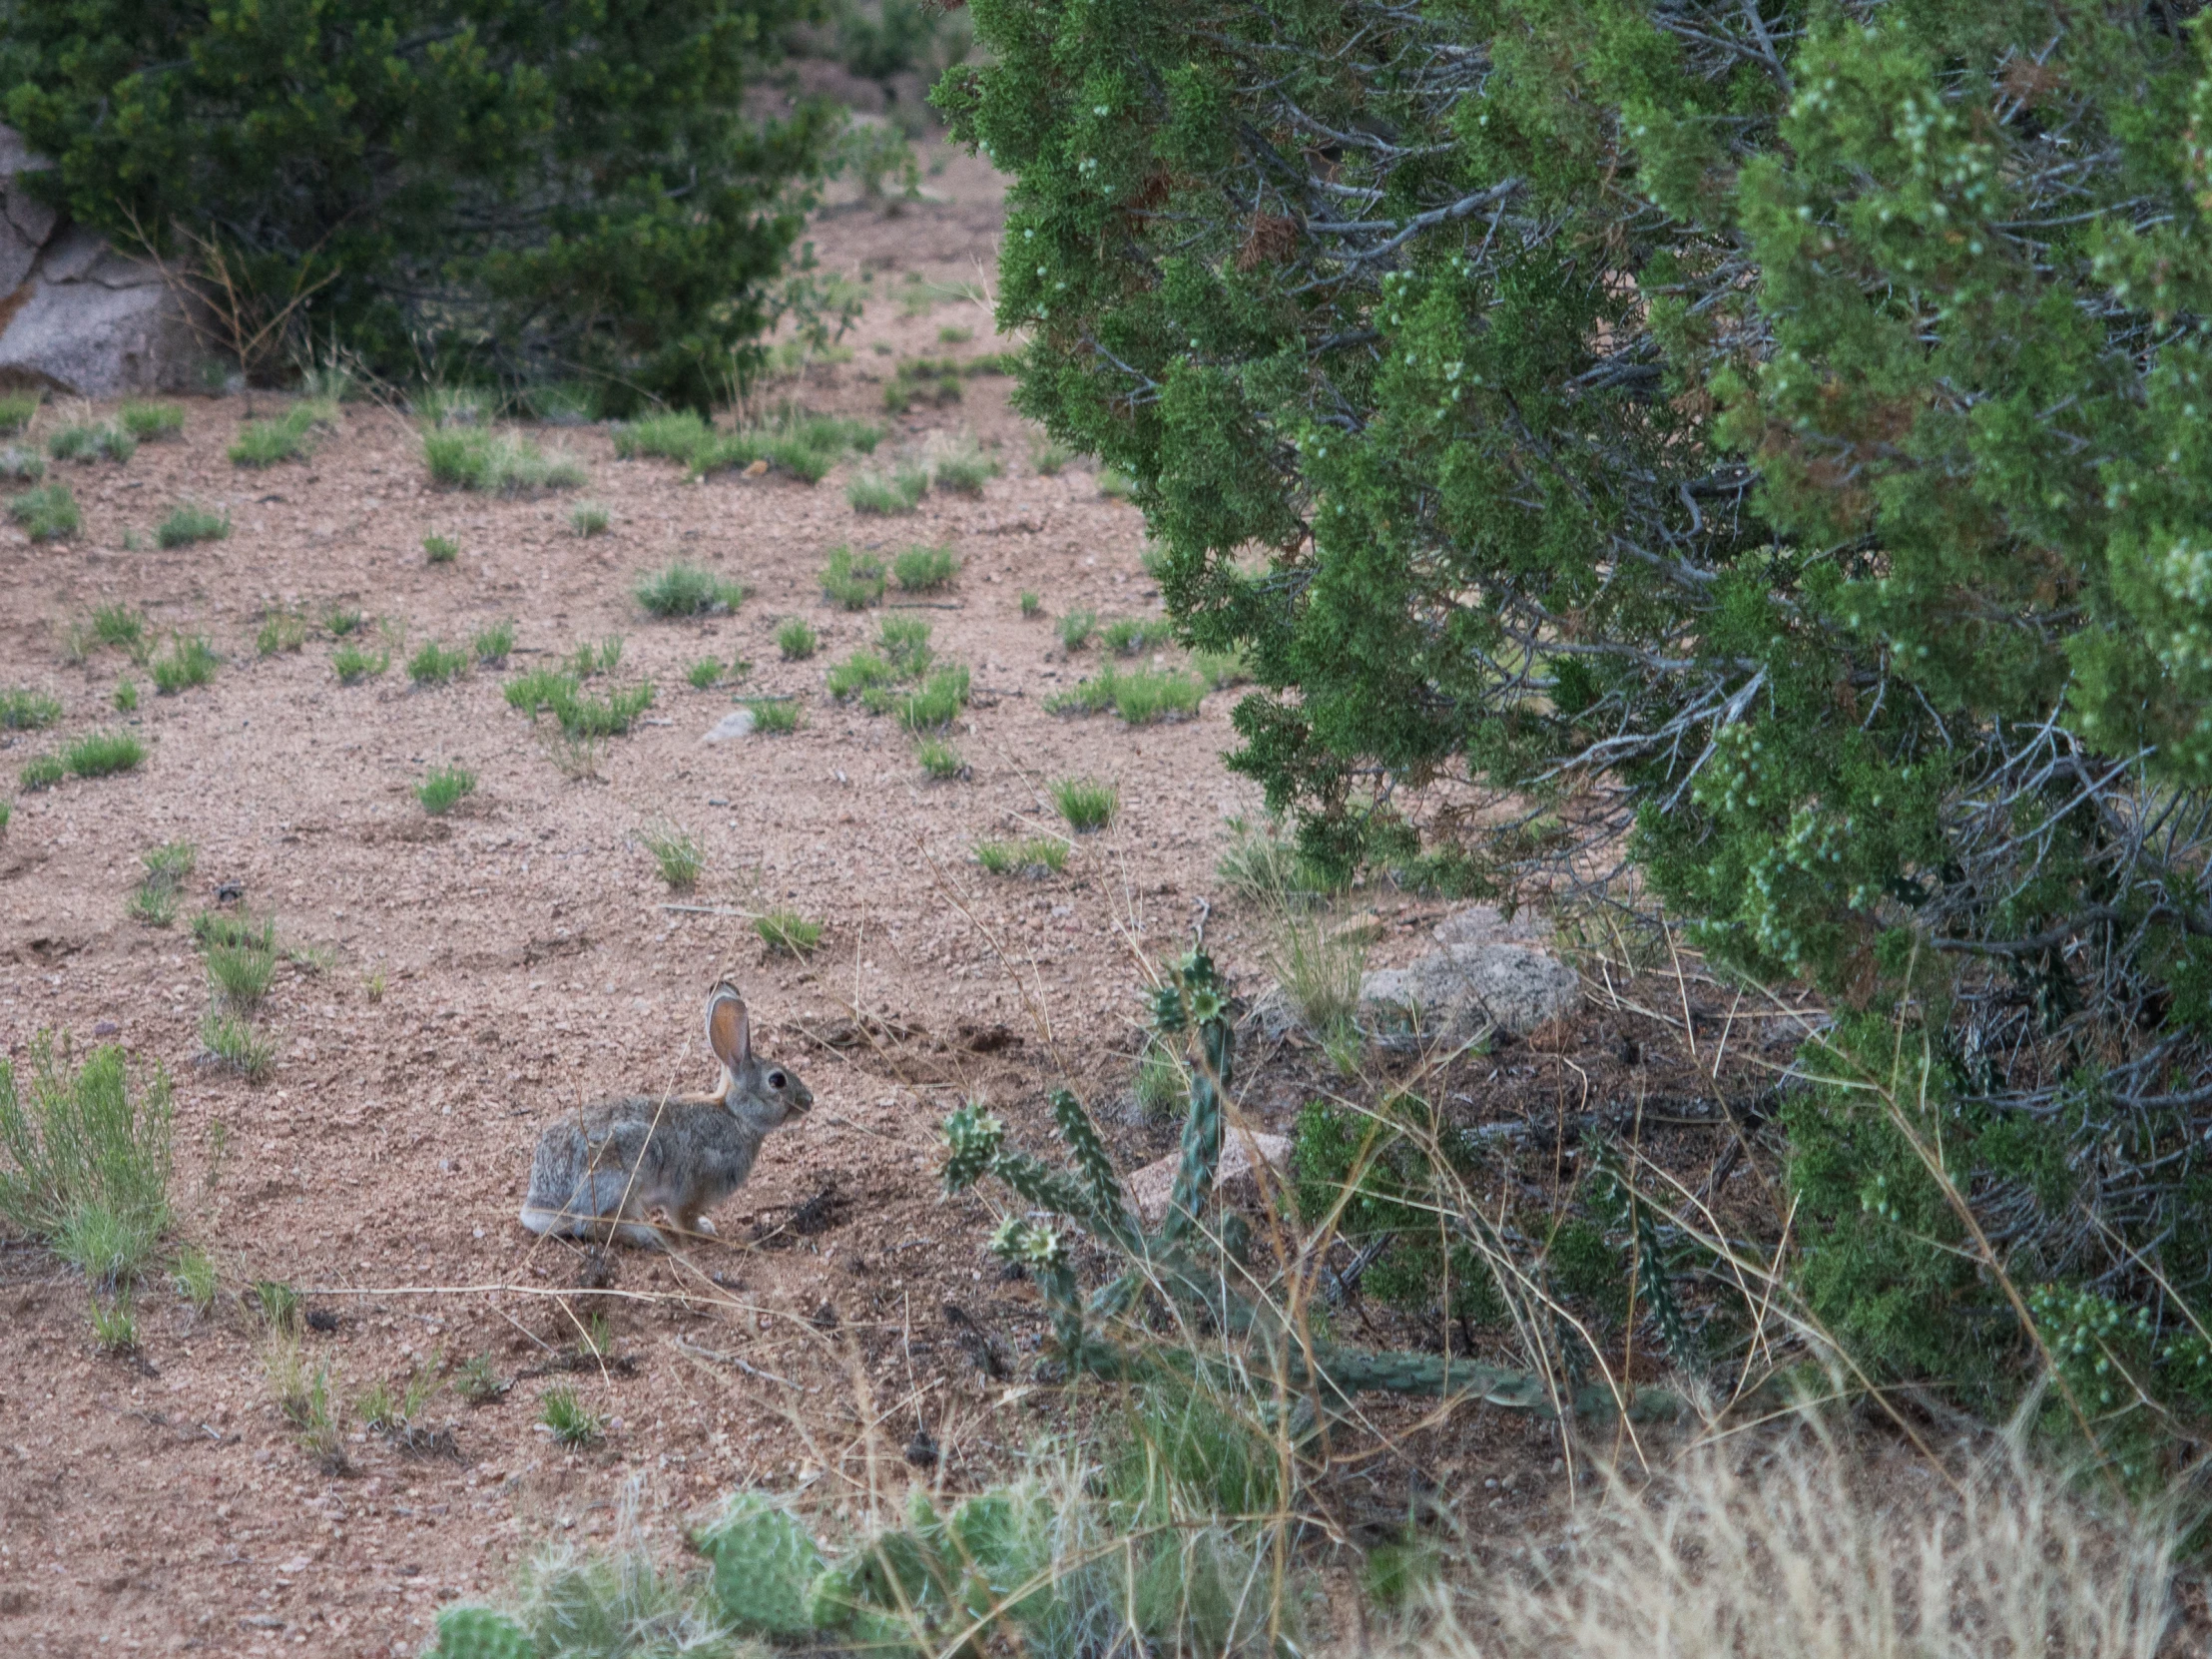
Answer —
737 723
1152 1187
1453 995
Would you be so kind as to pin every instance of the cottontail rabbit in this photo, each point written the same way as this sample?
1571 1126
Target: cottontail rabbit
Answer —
597 1172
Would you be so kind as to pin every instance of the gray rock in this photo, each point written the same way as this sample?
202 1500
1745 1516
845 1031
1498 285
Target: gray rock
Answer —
1150 1188
737 723
1486 925
77 316
1453 995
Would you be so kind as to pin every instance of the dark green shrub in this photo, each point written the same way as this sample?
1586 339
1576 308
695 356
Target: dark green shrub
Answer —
492 179
1797 432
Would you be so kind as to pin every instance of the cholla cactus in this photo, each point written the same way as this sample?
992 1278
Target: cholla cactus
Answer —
1183 1258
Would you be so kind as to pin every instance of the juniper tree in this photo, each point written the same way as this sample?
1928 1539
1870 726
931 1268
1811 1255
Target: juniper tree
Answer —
521 188
1766 440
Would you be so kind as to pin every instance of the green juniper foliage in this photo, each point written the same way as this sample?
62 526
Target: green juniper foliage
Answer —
1776 432
493 180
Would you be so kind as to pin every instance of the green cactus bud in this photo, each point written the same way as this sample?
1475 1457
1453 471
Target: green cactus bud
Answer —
765 1566
972 1138
1029 1246
481 1633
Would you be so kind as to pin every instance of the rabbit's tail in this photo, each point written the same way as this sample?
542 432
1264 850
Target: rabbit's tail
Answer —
558 1203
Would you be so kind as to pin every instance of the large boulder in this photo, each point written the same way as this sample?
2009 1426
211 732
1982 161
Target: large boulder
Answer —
1457 995
76 316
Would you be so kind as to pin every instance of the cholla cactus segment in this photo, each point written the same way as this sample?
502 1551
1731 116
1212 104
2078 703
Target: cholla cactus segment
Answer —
972 1138
1026 1245
1167 1008
765 1563
1092 1161
481 1633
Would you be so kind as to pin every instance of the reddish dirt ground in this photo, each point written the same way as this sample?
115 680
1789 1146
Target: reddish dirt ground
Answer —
470 978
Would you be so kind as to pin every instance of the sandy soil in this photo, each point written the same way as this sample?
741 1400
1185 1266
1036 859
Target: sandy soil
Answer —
484 972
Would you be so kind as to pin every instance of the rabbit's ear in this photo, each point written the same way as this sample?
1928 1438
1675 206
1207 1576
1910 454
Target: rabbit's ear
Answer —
729 1030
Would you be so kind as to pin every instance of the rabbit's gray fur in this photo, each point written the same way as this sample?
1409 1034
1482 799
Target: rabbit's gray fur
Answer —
599 1171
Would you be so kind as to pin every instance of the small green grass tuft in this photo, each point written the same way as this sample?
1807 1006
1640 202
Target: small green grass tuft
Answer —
589 518
926 569
187 524
41 772
705 674
24 710
797 641
229 1041
435 664
48 513
439 406
241 970
1160 1085
1032 604
16 411
936 703
351 664
7 812
904 641
342 620
573 1423
115 1323
125 694
21 466
787 933
952 334
1086 804
1076 629
684 590
804 445
1113 484
477 1380
775 716
103 753
152 422
887 495
1050 459
493 642
154 901
193 1272
964 470
308 1400
92 443
292 436
1127 636
119 625
440 550
444 789
860 672
279 1305
498 463
1146 696
280 631
191 664
939 759
678 853
87 1157
676 435
854 581
1033 855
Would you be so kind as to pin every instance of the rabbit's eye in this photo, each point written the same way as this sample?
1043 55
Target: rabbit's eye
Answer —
774 1079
